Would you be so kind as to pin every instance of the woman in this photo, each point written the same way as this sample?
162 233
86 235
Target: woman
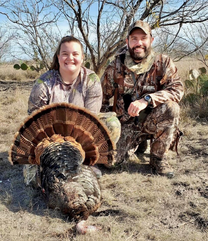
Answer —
67 80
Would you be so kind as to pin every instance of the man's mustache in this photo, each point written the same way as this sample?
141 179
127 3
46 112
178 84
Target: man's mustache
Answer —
139 46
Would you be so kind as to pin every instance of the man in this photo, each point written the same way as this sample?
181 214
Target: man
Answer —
146 90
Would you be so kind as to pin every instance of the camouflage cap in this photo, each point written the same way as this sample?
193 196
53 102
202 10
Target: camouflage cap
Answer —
140 24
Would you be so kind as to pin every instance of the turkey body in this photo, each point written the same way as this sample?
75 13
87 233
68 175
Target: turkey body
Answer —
68 184
64 140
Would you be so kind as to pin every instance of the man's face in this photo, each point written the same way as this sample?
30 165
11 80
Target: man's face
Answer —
139 44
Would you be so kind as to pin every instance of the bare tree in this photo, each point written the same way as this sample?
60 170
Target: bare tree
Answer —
36 27
5 39
103 25
192 41
198 37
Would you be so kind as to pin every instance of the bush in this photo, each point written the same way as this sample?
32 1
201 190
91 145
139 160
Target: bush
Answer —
196 94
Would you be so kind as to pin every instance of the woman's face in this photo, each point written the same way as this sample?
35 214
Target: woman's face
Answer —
70 57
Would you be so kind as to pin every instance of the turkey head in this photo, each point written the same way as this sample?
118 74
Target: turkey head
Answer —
64 141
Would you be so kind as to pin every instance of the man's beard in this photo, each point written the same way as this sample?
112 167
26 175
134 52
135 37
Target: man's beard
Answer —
139 56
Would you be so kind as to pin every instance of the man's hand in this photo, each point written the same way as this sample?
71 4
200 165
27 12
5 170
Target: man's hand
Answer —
137 106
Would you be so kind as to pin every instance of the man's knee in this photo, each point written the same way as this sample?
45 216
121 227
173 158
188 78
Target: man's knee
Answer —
170 108
173 108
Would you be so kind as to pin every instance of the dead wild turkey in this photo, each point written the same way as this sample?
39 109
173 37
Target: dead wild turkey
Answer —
64 140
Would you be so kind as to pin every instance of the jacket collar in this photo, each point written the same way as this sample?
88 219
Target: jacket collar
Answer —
137 68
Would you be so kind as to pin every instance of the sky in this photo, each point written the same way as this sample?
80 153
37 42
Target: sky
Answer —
4 22
63 24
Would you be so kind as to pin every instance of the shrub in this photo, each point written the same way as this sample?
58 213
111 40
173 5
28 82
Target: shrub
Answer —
196 93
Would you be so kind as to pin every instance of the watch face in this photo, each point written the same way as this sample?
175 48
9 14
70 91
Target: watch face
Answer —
147 97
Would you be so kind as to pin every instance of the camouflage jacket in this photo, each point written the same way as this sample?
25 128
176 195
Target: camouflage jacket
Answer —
156 76
86 91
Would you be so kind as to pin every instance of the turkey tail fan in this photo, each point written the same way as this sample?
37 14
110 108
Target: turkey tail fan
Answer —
66 120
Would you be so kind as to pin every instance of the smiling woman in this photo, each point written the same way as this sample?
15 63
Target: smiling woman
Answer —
67 80
70 61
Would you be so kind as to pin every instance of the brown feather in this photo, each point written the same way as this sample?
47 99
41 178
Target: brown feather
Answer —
67 120
60 138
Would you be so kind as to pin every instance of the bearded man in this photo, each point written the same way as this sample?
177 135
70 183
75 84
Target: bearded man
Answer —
146 90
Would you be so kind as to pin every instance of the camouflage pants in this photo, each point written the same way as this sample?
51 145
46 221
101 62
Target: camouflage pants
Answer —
160 125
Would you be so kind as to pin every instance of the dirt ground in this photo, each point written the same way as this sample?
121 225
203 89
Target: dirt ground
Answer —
137 205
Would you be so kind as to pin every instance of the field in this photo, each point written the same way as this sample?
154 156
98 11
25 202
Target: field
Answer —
136 205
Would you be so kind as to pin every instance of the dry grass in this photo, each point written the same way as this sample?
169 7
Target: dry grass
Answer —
136 205
185 65
7 72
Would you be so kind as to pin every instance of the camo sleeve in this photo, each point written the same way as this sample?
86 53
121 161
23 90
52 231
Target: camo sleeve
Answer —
39 96
171 86
93 99
107 81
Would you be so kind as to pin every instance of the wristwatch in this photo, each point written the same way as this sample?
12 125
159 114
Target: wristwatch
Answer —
148 99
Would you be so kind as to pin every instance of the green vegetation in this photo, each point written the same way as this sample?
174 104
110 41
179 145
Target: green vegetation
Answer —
87 64
196 93
24 66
